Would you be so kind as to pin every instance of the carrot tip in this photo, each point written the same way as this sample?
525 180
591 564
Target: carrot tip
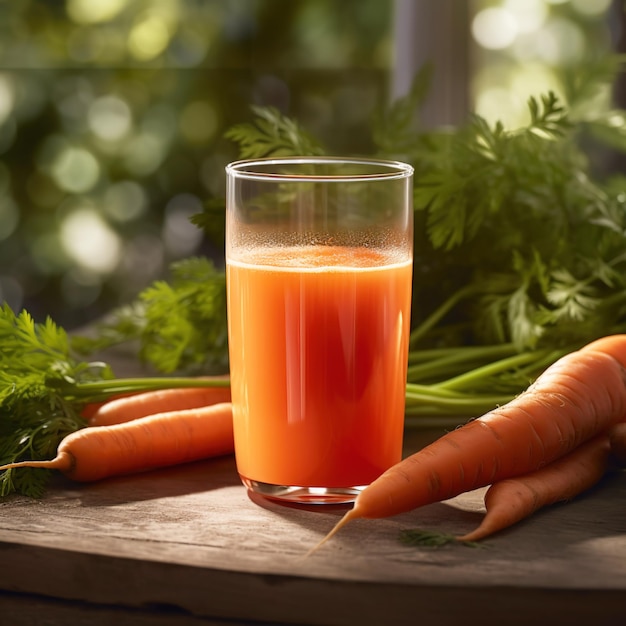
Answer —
469 537
351 514
62 462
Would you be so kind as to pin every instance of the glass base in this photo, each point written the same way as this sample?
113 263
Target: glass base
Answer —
303 495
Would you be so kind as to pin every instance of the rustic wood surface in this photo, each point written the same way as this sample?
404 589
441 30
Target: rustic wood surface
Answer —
188 546
190 541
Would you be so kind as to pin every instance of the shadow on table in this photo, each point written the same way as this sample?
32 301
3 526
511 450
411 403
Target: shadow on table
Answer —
179 480
551 531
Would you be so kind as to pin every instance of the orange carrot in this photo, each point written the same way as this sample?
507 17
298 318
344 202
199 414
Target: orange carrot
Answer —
131 407
617 438
159 440
91 407
577 397
615 345
510 501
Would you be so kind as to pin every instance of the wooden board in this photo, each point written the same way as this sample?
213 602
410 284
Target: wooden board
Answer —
189 544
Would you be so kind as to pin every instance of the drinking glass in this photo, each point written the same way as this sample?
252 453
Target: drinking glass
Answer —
319 258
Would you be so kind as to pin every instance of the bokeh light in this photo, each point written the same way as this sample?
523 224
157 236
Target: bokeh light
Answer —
114 136
109 118
149 37
529 15
524 45
560 41
144 153
90 241
94 11
591 8
75 170
125 201
7 97
494 28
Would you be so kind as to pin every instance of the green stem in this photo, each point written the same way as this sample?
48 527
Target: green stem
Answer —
102 389
419 355
431 403
433 319
464 352
431 391
454 359
496 367
535 368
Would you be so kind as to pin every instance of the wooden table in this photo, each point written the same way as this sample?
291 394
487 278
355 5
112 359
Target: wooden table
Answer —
188 546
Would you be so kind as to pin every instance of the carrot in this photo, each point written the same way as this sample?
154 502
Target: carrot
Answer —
615 345
512 500
159 440
577 397
125 409
617 438
91 408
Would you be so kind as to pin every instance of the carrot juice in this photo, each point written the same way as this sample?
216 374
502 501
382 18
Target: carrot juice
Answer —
318 340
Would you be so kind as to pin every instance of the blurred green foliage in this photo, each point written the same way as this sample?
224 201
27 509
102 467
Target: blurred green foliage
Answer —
112 122
113 116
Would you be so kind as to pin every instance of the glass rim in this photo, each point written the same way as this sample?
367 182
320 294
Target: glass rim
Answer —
389 169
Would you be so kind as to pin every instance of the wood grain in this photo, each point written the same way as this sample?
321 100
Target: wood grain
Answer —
188 546
189 541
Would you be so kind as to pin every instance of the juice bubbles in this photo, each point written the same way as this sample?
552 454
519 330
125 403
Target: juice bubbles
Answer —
318 339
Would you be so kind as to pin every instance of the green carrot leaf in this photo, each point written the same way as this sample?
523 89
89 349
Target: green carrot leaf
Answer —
272 134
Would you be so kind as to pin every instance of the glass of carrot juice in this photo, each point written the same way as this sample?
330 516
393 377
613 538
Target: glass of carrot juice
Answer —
319 258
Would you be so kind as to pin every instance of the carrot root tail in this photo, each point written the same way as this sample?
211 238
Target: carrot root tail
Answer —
350 515
62 462
475 535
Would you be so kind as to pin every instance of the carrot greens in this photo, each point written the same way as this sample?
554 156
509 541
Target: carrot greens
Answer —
519 259
178 324
519 247
272 134
43 388
519 241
